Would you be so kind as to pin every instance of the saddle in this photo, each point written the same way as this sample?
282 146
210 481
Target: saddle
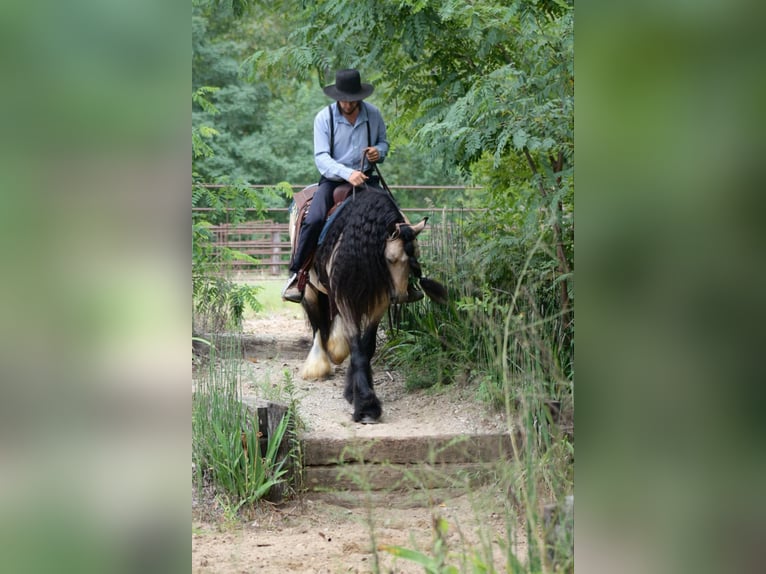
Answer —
302 202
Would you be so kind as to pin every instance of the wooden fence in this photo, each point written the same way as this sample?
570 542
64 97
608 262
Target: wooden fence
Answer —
267 242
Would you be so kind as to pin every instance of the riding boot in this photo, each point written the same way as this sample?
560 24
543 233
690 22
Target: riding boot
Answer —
290 291
307 238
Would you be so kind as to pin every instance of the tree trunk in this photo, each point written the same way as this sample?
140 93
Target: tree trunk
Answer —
557 165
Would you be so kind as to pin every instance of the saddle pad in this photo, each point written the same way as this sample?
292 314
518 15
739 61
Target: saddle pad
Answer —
336 210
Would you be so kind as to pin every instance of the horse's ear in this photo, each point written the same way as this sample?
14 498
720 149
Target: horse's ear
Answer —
420 226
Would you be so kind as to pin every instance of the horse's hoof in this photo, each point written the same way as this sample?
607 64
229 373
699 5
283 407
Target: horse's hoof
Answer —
368 420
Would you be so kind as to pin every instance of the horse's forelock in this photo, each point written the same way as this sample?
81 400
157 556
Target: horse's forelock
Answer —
405 232
409 238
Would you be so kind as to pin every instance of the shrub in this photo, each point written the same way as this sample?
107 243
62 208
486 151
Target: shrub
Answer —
225 438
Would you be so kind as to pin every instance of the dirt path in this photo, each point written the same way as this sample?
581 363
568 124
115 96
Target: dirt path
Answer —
281 342
322 533
323 537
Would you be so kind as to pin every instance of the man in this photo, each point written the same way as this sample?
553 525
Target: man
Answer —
344 151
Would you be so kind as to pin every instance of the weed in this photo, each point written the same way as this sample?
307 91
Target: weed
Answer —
226 443
514 345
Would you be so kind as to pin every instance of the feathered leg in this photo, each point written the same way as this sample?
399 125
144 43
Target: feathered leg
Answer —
367 407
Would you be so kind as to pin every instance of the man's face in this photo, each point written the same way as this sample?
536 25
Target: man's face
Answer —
348 107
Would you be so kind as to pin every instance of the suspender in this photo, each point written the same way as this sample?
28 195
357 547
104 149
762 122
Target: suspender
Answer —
332 131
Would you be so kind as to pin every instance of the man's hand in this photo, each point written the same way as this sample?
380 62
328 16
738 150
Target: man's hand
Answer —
372 154
357 178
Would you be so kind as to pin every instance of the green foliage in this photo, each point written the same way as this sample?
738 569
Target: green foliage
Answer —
225 439
507 342
464 78
263 131
247 138
487 88
525 239
488 335
202 132
437 563
217 303
483 90
231 203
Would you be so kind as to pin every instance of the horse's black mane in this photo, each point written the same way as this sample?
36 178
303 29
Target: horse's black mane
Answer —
351 265
357 237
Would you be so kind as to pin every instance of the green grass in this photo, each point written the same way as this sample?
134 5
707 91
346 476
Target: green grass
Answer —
225 436
505 339
270 295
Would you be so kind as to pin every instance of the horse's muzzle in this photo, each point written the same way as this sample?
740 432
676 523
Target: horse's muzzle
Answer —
412 295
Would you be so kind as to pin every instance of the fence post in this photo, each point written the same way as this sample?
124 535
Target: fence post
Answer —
275 250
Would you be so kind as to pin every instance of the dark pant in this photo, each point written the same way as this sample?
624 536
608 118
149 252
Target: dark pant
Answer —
312 225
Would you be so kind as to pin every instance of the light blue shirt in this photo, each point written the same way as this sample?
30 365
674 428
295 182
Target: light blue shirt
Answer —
350 141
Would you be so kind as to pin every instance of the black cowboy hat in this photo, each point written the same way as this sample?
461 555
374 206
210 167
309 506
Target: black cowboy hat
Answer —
348 87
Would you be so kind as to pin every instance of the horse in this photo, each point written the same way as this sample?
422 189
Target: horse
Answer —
363 263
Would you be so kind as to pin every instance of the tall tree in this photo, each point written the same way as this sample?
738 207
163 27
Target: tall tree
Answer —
263 124
487 86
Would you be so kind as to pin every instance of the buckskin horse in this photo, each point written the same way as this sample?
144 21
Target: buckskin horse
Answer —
362 264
